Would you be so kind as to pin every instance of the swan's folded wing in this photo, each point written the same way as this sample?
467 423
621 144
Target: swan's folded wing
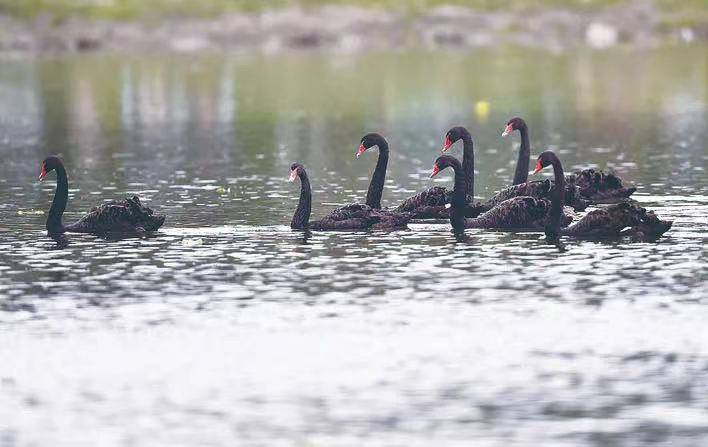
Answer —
600 186
649 229
390 220
624 218
354 223
538 189
349 211
428 204
474 209
109 217
517 213
119 216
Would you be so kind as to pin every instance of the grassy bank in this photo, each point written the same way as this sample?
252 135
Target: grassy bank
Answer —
136 9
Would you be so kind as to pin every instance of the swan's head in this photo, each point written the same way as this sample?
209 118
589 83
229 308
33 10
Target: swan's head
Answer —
453 136
443 162
513 124
370 140
48 165
296 170
545 159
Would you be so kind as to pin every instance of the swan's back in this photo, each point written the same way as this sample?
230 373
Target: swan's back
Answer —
624 218
356 216
435 196
425 202
540 189
600 186
518 213
119 216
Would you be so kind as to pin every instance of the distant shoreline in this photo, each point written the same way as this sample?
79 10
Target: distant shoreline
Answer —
352 29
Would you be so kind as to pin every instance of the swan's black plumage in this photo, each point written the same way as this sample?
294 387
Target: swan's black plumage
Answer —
385 219
540 189
118 216
598 186
522 164
587 185
619 219
301 217
353 216
430 204
625 218
517 213
378 177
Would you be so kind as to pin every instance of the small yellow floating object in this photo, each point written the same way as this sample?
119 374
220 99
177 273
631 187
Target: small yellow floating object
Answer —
221 190
481 110
30 212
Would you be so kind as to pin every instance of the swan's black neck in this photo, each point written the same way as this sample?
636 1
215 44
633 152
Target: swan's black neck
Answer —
459 197
61 196
553 227
468 164
522 164
373 195
301 218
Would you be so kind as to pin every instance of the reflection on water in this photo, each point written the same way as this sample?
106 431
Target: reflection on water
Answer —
227 324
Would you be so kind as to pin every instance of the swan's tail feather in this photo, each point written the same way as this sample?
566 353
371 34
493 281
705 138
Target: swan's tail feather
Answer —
143 216
626 218
599 186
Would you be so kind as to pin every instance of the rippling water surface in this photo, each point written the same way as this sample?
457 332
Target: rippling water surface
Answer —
227 326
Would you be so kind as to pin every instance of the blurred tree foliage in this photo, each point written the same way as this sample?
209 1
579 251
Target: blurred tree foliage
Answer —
132 9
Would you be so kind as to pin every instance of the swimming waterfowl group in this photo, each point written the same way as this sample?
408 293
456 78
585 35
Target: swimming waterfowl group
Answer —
539 205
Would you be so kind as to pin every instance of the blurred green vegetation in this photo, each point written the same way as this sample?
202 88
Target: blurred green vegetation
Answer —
134 9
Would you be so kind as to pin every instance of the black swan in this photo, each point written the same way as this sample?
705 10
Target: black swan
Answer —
522 164
592 185
349 217
517 213
120 216
387 219
539 188
626 218
431 203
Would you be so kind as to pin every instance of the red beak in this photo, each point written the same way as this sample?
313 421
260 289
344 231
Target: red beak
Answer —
447 144
507 130
361 150
538 167
436 169
293 175
42 174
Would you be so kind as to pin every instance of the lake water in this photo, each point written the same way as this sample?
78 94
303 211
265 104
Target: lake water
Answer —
227 328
